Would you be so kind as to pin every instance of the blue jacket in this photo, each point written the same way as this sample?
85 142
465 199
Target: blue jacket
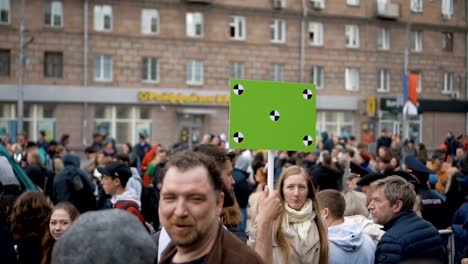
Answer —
242 188
460 230
408 237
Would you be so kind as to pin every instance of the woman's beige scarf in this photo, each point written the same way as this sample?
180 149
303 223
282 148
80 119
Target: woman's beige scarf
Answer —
301 220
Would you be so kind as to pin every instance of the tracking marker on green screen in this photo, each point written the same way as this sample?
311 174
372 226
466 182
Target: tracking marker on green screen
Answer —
272 115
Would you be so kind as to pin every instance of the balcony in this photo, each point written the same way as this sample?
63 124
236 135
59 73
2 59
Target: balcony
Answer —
387 10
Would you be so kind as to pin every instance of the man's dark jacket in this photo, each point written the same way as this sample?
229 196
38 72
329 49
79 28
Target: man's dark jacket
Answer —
73 185
409 237
242 188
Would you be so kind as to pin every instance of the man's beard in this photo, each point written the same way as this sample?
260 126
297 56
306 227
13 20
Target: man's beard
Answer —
183 238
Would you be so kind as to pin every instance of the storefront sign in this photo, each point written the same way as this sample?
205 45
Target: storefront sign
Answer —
391 104
183 98
371 106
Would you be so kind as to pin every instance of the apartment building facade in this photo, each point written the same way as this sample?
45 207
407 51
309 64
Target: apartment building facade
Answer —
162 67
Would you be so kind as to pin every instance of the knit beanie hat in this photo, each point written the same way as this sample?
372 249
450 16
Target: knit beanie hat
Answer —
110 236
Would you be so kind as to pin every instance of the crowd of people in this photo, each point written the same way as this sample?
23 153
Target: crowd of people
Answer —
343 203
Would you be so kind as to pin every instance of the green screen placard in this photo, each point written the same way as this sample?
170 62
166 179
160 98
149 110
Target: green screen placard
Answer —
272 115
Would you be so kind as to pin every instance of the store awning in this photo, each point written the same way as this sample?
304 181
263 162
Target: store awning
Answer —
447 106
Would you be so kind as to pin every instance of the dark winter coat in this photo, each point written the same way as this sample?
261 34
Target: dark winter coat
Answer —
242 188
7 244
73 185
409 237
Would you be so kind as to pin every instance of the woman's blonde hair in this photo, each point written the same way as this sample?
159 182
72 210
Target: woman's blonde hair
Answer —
278 229
355 203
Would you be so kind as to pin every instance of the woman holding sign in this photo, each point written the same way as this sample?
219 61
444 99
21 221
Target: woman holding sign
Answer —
298 234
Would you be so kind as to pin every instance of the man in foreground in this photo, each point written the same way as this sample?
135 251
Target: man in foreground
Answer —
190 206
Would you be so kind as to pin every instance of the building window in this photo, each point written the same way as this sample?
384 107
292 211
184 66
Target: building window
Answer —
352 36
237 28
4 11
276 72
236 70
124 123
417 6
336 123
316 34
352 79
53 13
416 41
194 22
8 120
447 41
4 62
448 83
150 21
195 72
53 63
150 69
103 18
316 76
278 31
39 118
447 9
103 68
383 39
420 76
383 81
353 2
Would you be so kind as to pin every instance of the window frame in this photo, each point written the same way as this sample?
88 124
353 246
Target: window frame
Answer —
277 72
52 14
102 65
191 72
147 16
7 4
445 14
314 77
317 29
147 67
8 62
383 80
349 78
416 41
353 2
447 42
134 120
237 25
383 33
236 70
278 31
100 13
447 83
417 6
191 29
352 35
53 58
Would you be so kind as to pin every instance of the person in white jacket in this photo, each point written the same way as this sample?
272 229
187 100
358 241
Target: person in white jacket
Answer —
356 212
135 182
347 241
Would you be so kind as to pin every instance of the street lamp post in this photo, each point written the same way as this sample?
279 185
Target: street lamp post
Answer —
19 128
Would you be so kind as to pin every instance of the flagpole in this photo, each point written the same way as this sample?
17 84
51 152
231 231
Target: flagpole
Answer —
271 166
